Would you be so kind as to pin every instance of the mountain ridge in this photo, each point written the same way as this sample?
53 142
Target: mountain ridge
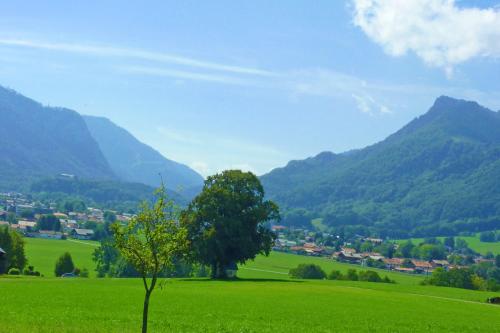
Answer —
406 184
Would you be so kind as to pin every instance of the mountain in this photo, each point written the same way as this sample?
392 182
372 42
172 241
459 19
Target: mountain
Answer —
135 161
38 141
438 175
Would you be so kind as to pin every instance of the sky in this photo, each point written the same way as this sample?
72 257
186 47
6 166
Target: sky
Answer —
252 84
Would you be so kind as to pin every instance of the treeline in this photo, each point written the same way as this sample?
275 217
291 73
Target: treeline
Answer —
315 272
483 276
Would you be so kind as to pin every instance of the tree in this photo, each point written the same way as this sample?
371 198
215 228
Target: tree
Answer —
48 222
13 244
450 242
405 249
497 260
64 264
226 221
351 275
151 242
487 236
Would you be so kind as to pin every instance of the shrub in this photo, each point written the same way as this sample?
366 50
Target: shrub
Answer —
307 271
84 273
31 271
369 276
352 275
14 271
336 275
388 280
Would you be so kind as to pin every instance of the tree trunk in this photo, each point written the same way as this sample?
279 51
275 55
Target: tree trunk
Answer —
213 273
145 312
221 271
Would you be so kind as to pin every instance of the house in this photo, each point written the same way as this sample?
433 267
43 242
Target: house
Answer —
422 266
393 263
24 226
353 258
82 234
277 228
440 263
60 215
405 269
375 241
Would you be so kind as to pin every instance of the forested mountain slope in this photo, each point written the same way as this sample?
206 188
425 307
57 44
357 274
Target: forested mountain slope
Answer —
440 174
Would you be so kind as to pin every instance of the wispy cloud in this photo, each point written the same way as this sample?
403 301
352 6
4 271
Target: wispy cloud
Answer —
112 51
368 105
184 75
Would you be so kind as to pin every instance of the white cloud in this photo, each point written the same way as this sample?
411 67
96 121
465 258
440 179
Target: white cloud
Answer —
438 31
368 105
201 167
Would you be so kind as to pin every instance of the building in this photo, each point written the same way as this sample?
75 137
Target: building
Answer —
83 234
393 263
422 266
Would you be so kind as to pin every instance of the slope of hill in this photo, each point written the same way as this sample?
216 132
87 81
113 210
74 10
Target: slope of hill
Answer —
38 141
135 161
438 175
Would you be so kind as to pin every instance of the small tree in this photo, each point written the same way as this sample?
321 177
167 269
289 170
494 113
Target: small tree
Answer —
64 264
150 242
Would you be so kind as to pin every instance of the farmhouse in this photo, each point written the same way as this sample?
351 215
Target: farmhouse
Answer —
84 234
440 263
393 263
422 266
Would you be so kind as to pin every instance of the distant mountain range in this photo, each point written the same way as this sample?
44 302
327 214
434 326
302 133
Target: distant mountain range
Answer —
438 175
38 142
134 161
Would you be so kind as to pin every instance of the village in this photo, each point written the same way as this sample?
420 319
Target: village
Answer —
36 219
379 253
32 218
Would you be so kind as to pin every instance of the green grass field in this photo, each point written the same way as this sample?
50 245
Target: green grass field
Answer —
114 305
43 253
263 300
473 241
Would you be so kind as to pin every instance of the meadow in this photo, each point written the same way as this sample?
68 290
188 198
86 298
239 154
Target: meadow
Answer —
264 299
43 254
473 241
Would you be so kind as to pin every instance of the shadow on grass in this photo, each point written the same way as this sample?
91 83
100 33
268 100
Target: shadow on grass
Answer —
239 280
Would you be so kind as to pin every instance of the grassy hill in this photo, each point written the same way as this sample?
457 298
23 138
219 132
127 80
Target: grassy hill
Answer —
43 253
114 305
263 300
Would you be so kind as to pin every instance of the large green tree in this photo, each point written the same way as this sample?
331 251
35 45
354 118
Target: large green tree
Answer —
226 221
151 242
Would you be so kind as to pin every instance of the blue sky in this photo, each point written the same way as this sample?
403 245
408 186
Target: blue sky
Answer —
252 85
